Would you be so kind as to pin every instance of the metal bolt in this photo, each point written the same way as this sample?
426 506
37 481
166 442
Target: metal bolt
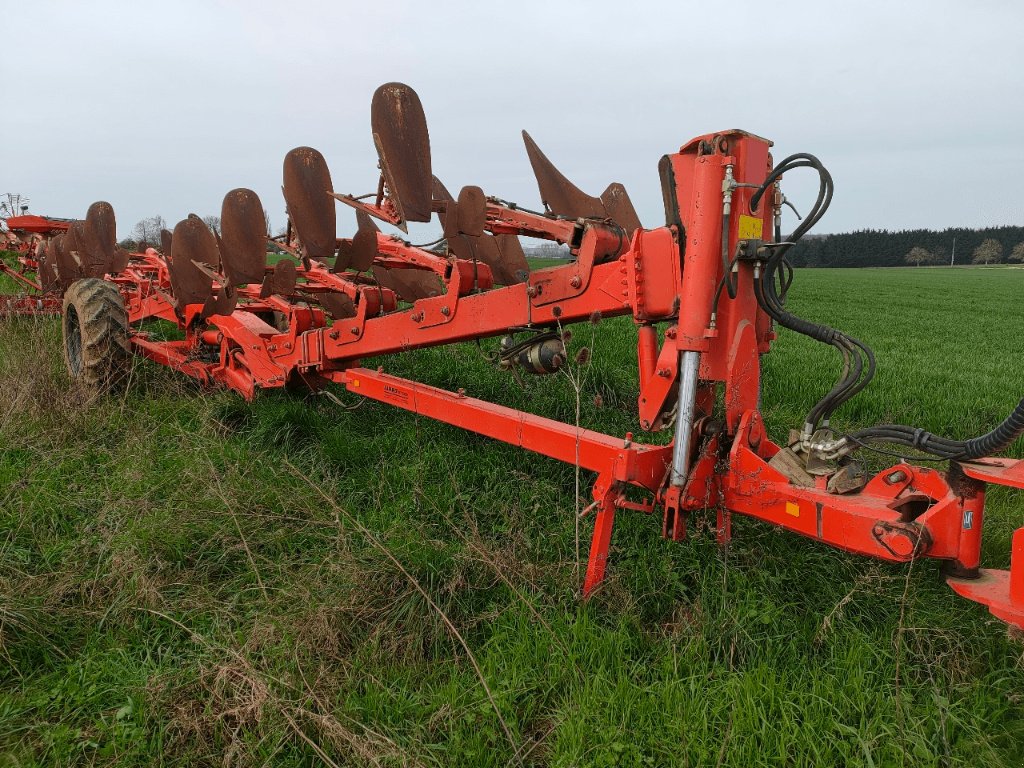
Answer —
354 330
333 334
445 311
896 477
576 282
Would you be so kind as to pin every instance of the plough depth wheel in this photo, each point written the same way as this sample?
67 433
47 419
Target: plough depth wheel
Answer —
96 346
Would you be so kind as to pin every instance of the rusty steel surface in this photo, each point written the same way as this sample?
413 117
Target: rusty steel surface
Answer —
438 191
307 182
280 281
513 268
410 284
343 260
472 211
620 208
447 207
100 236
556 191
403 145
363 251
338 305
192 242
502 253
223 303
47 268
243 238
564 198
165 241
364 243
64 265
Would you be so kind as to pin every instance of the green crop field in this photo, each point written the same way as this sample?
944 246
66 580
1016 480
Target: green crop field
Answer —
189 579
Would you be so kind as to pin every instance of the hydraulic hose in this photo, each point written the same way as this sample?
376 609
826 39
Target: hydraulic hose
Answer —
996 440
858 359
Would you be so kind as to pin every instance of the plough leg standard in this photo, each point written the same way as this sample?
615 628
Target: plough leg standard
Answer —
705 291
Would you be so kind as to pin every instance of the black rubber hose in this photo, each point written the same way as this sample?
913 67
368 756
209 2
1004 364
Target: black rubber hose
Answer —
857 370
999 438
994 441
856 374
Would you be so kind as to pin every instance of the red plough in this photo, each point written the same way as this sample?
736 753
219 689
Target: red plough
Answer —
24 236
705 291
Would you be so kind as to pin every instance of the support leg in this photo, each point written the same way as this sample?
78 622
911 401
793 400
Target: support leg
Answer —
605 493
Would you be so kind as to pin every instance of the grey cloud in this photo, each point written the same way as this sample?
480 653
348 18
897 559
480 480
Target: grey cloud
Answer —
161 108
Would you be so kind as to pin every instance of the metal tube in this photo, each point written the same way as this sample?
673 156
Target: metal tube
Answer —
689 367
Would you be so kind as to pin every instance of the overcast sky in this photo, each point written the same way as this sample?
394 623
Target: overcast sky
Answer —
916 108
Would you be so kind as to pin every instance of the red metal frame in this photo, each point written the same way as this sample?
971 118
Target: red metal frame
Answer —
664 278
27 231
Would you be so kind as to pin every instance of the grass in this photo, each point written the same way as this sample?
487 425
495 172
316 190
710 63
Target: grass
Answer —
189 579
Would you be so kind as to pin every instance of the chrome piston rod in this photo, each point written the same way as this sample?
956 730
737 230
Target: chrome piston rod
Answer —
689 367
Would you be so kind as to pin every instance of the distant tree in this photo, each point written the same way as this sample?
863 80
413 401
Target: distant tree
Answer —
213 222
129 245
148 230
918 256
940 255
266 220
1017 254
989 252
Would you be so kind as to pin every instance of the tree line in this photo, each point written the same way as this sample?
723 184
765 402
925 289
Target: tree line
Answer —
863 248
146 232
882 248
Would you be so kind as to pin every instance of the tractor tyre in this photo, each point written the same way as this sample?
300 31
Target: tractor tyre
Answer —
96 346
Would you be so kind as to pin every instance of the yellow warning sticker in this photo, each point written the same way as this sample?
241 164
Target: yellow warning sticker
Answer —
750 228
792 509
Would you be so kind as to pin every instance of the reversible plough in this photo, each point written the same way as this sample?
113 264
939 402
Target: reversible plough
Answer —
705 291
